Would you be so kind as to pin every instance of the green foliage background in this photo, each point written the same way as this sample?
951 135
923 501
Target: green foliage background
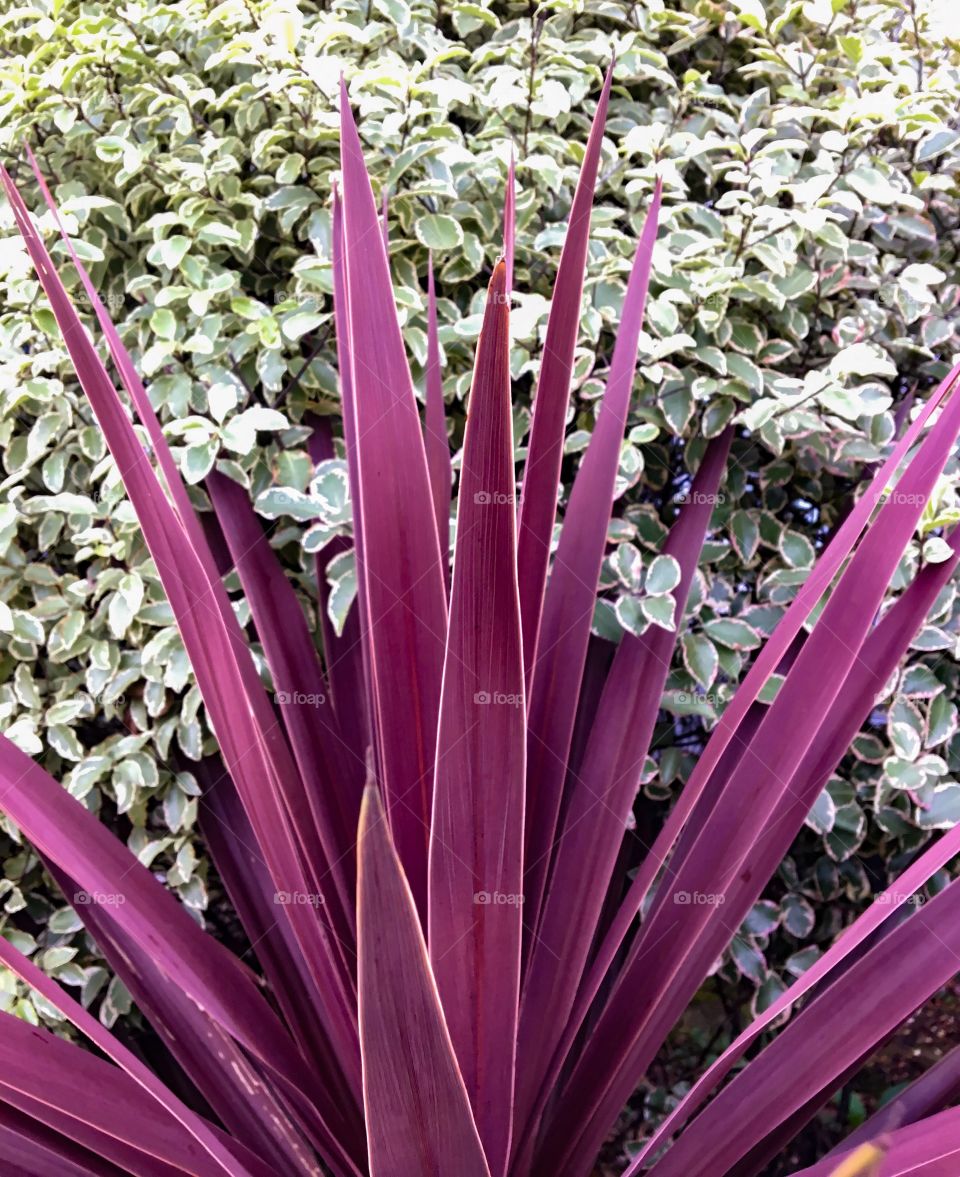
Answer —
805 286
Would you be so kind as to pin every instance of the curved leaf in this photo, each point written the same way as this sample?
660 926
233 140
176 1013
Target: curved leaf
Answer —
570 598
399 561
476 844
541 476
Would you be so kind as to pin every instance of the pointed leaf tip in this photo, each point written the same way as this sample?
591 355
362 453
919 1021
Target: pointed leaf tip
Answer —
608 76
346 113
371 807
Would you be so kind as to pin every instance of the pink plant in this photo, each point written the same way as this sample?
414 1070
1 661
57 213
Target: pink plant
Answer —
467 988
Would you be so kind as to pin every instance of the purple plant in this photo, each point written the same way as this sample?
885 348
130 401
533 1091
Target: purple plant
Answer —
469 987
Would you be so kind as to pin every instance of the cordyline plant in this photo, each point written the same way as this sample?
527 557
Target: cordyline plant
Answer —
470 986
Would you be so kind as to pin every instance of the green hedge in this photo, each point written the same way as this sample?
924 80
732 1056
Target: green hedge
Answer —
805 287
